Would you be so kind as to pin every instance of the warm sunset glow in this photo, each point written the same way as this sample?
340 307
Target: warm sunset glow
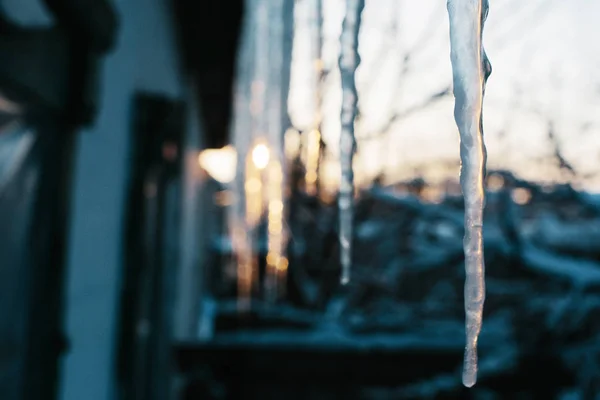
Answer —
495 182
292 141
253 187
220 164
276 217
521 196
427 135
260 156
313 152
329 178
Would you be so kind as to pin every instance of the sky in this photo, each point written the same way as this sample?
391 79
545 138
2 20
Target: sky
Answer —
546 76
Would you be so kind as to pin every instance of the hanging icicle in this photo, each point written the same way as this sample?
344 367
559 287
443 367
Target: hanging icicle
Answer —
260 112
471 69
348 62
241 141
312 138
250 130
276 258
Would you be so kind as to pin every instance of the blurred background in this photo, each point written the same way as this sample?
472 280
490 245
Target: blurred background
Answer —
169 171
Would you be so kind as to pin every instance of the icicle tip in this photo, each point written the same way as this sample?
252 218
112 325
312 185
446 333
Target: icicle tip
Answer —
345 279
469 376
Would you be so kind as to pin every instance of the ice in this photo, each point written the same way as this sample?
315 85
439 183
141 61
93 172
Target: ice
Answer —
349 61
274 171
471 69
241 142
249 122
260 96
280 23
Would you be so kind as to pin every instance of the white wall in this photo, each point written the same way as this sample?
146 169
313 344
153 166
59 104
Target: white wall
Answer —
145 59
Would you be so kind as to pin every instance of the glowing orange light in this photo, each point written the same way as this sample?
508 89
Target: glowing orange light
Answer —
276 246
220 164
521 196
260 156
292 141
313 152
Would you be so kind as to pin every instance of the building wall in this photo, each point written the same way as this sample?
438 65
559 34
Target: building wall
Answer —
26 12
144 59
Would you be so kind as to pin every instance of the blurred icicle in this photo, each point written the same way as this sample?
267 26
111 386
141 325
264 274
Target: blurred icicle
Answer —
288 44
250 128
241 139
260 112
348 62
471 69
277 80
312 138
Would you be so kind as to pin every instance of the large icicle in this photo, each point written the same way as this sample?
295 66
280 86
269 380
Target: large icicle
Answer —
471 69
349 61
